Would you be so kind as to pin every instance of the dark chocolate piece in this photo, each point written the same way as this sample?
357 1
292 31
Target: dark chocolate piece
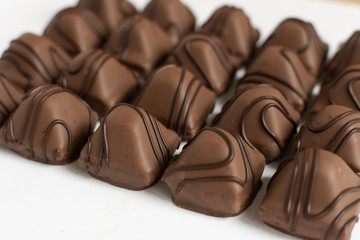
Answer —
216 174
283 69
111 12
233 28
206 58
336 129
263 118
33 60
177 99
99 79
313 195
343 90
130 149
10 97
50 125
301 37
76 30
173 16
140 43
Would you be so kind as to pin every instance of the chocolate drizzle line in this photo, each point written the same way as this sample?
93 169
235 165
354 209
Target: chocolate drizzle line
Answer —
4 110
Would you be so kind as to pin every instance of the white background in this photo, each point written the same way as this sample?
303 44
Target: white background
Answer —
63 202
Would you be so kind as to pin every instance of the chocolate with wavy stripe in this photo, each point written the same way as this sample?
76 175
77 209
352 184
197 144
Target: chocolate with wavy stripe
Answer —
313 195
130 149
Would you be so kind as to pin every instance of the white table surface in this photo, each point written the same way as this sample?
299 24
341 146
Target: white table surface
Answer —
63 202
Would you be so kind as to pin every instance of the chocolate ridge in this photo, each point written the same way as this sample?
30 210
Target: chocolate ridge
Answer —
4 111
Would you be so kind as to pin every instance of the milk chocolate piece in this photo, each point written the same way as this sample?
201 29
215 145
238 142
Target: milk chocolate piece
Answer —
173 16
99 79
216 174
111 12
234 29
50 125
33 60
263 118
130 149
336 129
301 37
313 195
343 90
140 43
283 69
177 99
76 30
348 54
206 58
10 97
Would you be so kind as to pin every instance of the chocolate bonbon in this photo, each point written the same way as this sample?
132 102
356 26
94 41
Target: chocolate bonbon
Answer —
262 117
336 129
301 37
177 99
234 29
313 195
99 79
76 30
140 43
217 174
111 12
33 60
50 125
174 17
206 58
283 69
130 149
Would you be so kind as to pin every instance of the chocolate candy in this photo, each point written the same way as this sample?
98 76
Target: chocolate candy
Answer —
343 90
313 195
76 30
130 149
140 43
10 97
234 29
177 99
216 174
173 16
111 12
207 59
263 118
301 37
347 55
33 60
99 79
336 129
283 69
50 125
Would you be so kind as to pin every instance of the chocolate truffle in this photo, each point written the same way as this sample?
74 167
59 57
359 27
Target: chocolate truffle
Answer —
10 97
263 118
177 99
343 90
33 60
130 149
313 195
50 125
111 12
173 16
234 29
283 69
301 37
76 30
216 174
99 79
336 129
140 43
348 54
207 59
